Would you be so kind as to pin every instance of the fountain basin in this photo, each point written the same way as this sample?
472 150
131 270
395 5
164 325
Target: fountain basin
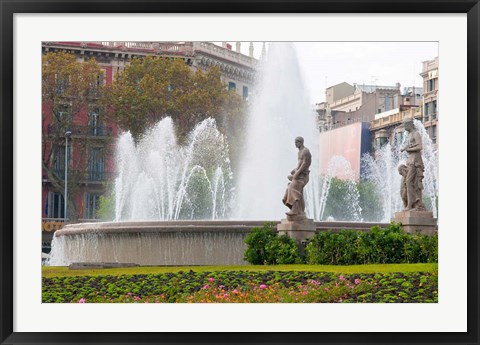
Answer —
153 243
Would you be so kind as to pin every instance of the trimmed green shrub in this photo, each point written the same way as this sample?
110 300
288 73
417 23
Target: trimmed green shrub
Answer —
265 247
378 246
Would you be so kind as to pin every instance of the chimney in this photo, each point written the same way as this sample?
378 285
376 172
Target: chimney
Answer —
250 50
237 47
224 44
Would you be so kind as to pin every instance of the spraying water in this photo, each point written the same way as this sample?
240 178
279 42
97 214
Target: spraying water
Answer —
161 180
281 111
351 209
382 171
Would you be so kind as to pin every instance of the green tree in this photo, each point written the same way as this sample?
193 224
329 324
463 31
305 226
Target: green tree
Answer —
106 210
369 202
150 89
69 86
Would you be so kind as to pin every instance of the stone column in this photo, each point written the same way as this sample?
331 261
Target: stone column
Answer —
417 221
300 229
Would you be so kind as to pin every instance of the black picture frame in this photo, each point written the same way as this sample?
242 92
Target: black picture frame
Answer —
10 7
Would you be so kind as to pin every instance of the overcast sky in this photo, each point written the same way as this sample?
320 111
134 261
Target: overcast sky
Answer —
372 63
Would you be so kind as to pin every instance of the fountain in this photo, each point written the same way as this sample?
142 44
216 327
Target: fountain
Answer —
280 112
161 180
181 205
160 185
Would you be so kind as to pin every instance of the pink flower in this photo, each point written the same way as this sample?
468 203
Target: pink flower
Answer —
305 292
342 278
336 284
205 287
326 289
82 300
235 291
357 281
211 280
263 286
225 295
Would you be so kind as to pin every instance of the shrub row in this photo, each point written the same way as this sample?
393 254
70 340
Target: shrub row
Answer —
347 247
377 246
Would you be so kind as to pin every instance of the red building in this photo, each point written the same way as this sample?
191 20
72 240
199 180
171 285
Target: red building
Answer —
91 144
89 153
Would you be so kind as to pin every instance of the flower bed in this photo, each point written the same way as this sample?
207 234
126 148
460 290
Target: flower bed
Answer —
244 287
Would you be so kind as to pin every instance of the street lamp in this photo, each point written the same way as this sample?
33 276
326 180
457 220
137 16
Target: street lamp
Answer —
65 202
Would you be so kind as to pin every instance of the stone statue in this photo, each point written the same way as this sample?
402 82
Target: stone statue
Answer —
403 170
299 177
415 168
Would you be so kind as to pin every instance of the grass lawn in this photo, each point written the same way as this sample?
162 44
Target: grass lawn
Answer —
50 272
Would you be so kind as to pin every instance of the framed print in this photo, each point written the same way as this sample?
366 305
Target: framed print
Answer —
152 145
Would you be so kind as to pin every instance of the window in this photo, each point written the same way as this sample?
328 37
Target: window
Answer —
430 85
434 109
434 131
398 138
381 142
92 203
96 164
387 102
245 92
59 161
62 83
101 78
93 122
55 207
63 113
232 86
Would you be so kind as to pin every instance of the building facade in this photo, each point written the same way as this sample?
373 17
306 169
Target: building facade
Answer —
238 70
430 102
364 103
90 147
388 126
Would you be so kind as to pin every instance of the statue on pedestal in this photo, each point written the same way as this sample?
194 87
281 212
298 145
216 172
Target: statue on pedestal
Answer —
414 169
299 177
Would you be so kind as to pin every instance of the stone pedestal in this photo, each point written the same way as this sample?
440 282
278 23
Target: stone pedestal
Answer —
300 229
414 221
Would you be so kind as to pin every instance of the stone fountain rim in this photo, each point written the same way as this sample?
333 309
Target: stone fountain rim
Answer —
192 226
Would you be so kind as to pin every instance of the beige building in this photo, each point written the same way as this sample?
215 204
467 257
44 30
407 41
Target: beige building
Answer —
337 92
363 103
430 99
388 126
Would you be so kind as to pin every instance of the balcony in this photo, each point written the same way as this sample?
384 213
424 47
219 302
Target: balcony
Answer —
394 119
97 176
84 176
83 131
